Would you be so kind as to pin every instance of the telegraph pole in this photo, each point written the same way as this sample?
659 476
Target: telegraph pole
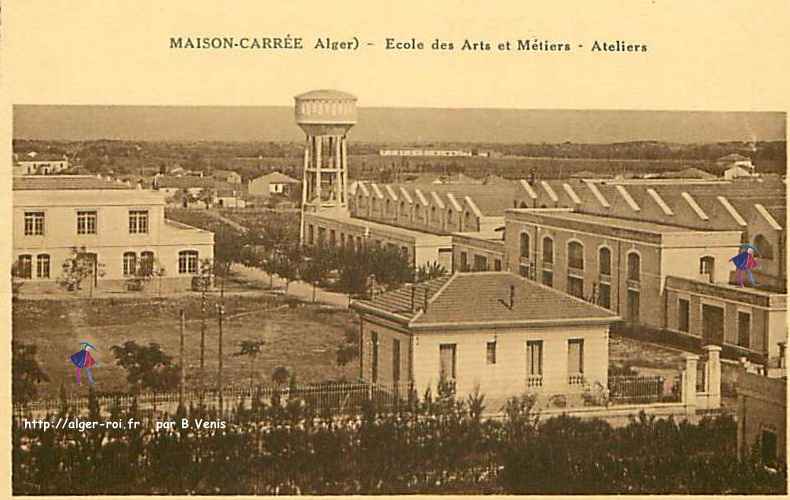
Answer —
183 368
220 313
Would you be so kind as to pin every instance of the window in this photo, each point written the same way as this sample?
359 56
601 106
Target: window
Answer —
464 262
548 278
433 215
575 255
332 237
604 295
633 266
25 267
34 223
768 447
534 362
604 261
576 286
633 305
42 266
449 217
310 234
524 246
138 221
187 262
86 222
467 221
481 263
764 248
147 263
404 252
575 361
491 352
683 315
374 357
706 265
129 263
744 328
447 361
523 270
321 235
497 265
548 250
395 360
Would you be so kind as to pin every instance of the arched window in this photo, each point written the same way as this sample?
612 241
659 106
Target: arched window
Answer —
403 209
147 263
764 248
449 217
467 221
433 215
388 208
634 265
575 255
42 265
524 245
418 212
187 262
129 263
605 261
548 250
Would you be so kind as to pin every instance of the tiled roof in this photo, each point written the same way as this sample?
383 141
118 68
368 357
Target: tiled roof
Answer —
480 299
491 199
186 181
64 182
41 157
278 178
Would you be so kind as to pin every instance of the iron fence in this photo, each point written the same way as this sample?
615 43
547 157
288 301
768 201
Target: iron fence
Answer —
335 397
633 389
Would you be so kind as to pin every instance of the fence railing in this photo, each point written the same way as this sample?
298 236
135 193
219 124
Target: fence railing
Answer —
632 389
335 397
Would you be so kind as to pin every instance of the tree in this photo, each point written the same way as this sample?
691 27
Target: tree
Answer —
25 372
17 281
313 270
147 367
280 375
287 263
81 265
146 269
427 272
251 349
229 246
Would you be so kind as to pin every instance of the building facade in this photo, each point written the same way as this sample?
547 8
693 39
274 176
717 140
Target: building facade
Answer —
117 228
490 331
762 417
40 164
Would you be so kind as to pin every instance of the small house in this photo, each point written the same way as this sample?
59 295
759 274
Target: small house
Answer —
493 331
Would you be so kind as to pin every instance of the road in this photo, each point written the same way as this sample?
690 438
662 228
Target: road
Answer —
298 289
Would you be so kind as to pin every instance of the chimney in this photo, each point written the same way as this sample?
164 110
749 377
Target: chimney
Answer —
512 295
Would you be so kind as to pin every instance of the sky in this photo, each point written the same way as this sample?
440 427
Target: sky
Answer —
394 125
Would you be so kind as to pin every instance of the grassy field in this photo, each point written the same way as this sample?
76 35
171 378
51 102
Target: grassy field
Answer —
303 338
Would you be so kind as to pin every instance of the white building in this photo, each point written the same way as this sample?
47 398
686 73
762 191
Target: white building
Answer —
118 227
492 331
39 164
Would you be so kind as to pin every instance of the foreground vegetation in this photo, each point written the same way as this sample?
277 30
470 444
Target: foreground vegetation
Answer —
428 446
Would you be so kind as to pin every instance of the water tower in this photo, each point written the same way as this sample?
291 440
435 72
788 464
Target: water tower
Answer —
326 116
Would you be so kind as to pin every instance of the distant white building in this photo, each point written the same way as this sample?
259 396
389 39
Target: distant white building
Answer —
273 183
424 152
33 163
737 166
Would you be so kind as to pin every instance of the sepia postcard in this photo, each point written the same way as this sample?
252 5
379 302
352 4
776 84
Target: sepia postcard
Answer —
339 248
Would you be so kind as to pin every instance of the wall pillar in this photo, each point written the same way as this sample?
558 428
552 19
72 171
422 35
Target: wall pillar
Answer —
713 375
689 394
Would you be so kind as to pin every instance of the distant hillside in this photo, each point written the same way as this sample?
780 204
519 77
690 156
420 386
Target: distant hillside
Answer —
394 125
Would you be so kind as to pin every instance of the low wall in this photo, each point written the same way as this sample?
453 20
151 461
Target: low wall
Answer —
620 415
